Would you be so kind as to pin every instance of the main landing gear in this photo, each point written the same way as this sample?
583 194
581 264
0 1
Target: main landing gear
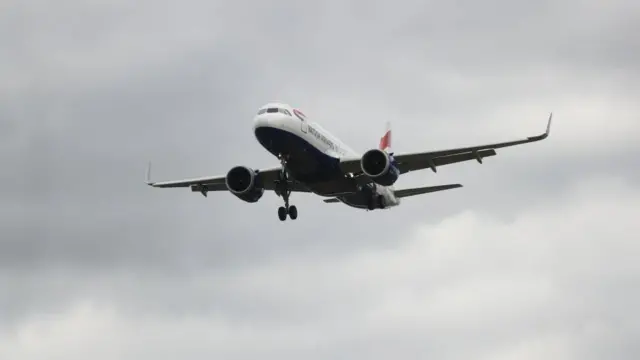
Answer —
375 200
284 191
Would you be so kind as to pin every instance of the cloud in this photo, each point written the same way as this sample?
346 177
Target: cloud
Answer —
531 258
555 281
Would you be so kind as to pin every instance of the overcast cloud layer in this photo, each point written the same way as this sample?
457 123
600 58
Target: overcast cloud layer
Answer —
534 258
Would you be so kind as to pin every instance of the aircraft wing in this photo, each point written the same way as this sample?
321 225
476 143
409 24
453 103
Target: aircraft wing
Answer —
205 184
432 159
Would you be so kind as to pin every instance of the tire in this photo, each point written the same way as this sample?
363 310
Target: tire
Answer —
293 212
282 213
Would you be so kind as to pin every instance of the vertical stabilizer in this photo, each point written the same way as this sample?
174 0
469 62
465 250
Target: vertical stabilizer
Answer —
385 140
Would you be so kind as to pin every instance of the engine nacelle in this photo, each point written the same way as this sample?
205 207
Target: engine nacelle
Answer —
244 183
379 166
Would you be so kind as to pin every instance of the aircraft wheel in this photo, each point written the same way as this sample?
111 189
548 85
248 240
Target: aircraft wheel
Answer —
282 213
293 212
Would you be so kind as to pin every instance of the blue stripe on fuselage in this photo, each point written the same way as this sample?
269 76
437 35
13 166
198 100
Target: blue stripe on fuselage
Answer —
306 163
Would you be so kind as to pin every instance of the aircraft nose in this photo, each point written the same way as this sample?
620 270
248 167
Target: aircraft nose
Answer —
270 120
261 121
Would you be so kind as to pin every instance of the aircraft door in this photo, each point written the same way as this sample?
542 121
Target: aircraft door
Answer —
303 124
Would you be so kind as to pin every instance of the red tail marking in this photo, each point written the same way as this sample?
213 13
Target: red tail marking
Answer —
385 141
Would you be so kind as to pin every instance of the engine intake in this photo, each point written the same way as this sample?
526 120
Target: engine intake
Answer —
378 165
244 184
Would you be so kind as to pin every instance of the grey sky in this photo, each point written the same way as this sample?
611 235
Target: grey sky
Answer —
536 257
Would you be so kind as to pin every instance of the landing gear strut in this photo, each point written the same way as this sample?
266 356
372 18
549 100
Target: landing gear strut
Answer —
284 191
374 200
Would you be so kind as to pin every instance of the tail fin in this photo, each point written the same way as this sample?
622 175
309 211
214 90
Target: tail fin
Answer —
385 140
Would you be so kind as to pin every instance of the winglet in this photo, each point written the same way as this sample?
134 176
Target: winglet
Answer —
546 133
549 124
148 175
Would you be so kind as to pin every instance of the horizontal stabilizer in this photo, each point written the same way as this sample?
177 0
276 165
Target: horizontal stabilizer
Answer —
424 190
410 192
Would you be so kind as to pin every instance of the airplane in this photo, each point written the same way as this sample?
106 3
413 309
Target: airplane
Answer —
312 160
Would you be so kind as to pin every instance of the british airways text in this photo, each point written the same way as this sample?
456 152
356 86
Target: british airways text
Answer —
326 141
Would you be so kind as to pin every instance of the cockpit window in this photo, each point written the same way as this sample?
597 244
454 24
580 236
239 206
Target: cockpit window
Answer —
274 110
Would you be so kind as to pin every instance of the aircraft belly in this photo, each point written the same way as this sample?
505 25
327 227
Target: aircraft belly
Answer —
306 163
331 188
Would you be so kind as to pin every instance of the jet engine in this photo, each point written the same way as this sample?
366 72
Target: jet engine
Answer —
380 167
244 183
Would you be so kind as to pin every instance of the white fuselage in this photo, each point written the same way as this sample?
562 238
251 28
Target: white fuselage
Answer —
289 129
